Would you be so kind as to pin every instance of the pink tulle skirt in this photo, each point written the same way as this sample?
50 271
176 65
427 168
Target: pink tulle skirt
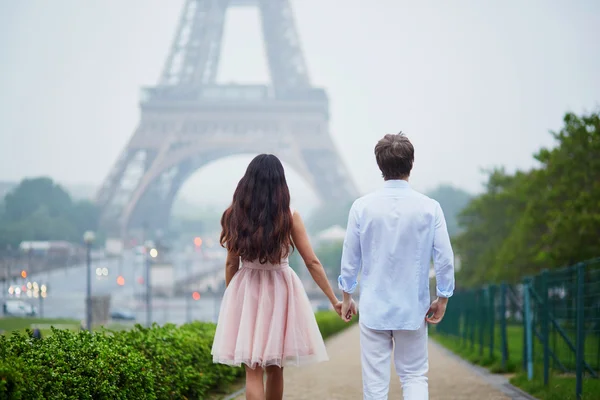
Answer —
266 319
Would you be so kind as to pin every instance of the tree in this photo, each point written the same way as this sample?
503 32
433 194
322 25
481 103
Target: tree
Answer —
453 201
84 216
328 215
562 220
548 217
330 255
486 222
39 209
31 194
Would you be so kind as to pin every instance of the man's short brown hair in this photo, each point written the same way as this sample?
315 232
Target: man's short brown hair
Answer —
395 155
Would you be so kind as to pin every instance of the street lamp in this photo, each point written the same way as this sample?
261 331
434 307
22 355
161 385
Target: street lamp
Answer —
39 292
152 252
88 239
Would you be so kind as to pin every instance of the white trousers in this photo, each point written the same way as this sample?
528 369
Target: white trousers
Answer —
410 359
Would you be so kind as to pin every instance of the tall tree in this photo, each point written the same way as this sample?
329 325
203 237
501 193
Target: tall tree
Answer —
545 218
39 209
452 200
329 215
31 194
561 224
486 222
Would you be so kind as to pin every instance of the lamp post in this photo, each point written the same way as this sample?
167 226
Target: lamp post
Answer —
7 270
9 265
188 262
149 253
88 239
40 292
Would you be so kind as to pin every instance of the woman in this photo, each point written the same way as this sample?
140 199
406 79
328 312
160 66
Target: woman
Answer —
266 320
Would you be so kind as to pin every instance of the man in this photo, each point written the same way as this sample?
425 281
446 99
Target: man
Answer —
392 236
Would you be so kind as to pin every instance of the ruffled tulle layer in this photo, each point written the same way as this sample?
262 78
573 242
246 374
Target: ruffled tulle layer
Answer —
266 319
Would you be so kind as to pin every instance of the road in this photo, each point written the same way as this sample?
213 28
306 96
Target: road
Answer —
67 289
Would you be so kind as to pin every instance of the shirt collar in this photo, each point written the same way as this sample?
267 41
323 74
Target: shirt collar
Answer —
396 183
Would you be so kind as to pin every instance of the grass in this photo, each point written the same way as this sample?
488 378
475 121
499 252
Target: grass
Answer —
21 324
560 387
474 356
10 324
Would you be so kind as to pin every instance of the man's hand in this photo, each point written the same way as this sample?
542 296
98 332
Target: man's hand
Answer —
436 310
348 308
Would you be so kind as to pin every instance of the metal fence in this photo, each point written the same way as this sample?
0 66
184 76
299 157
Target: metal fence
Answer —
548 325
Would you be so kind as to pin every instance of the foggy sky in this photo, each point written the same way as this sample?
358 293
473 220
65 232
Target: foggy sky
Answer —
473 85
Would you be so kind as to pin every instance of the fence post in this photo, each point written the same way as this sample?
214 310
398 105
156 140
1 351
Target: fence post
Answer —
528 330
503 338
473 317
580 343
545 325
467 311
459 315
481 319
492 316
524 317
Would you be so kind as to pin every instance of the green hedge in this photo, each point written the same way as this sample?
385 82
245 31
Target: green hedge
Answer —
163 362
330 323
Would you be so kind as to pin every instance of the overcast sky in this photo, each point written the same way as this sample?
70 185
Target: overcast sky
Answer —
474 84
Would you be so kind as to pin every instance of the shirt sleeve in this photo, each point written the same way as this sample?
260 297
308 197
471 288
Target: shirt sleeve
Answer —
351 255
443 256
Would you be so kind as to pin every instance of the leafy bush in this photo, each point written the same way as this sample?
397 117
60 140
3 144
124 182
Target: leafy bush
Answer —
182 355
162 362
68 365
11 379
330 323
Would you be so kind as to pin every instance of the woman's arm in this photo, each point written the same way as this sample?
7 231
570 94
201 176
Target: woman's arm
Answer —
302 243
232 265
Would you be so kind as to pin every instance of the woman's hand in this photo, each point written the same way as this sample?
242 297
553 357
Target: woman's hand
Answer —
338 308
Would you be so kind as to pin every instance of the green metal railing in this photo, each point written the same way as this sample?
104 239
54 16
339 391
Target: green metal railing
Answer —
547 325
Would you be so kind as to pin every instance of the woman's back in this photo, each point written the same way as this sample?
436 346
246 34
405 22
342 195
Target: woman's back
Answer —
266 318
283 262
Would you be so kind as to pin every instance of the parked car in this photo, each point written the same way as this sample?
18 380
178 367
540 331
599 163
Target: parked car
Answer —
122 315
18 308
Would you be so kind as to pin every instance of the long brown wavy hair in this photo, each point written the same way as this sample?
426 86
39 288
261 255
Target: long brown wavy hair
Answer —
258 223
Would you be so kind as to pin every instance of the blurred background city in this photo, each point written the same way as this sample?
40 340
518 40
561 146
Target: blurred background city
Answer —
125 127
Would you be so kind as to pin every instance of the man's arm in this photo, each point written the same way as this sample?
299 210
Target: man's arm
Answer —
351 261
443 264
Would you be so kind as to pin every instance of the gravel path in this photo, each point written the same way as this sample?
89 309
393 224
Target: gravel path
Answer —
340 378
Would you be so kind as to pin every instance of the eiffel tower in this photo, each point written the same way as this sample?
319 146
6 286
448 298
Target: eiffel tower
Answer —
188 121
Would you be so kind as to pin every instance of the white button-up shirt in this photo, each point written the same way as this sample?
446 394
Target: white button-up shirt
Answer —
391 238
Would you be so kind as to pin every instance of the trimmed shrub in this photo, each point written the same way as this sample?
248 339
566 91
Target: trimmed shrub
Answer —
68 365
330 323
181 357
162 362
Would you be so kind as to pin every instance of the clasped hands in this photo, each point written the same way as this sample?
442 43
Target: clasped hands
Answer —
346 309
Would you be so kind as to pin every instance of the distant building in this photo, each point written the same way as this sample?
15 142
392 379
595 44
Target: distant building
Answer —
52 251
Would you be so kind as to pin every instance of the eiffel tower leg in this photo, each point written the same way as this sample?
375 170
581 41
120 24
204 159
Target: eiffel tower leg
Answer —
153 209
196 48
330 176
